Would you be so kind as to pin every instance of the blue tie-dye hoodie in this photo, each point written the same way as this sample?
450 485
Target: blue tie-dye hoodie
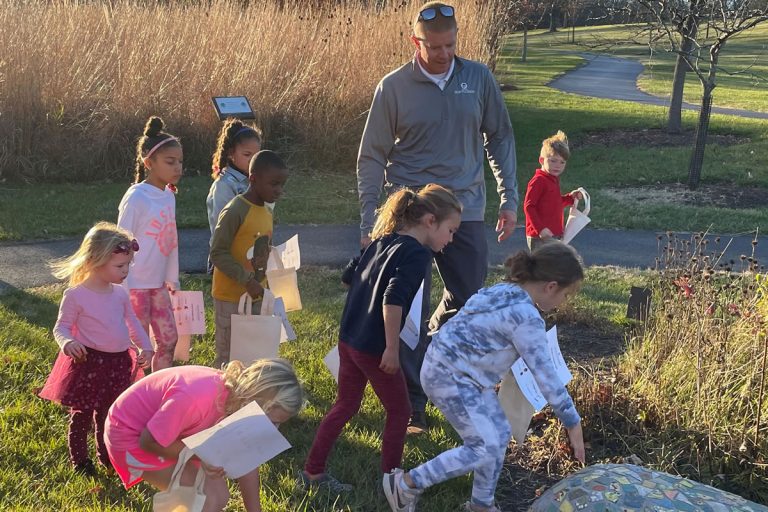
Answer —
496 326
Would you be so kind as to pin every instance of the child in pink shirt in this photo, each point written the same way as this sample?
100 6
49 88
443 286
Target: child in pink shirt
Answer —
147 423
148 210
94 330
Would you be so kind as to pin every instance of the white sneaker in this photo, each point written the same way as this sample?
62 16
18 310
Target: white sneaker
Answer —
399 499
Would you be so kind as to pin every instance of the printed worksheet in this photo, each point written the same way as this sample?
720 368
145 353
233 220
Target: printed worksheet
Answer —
289 254
412 327
525 379
240 442
188 311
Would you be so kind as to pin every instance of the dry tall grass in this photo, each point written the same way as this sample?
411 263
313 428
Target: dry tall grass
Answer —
78 79
701 364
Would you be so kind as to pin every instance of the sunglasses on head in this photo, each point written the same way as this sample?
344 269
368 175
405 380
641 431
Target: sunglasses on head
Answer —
126 247
430 13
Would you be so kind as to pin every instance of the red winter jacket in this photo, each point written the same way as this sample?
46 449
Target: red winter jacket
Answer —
543 205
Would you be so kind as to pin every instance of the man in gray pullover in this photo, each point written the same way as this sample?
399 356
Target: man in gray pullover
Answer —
434 120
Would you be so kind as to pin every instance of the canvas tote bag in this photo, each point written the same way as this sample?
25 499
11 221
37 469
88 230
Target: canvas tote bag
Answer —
253 336
577 219
178 498
516 407
283 282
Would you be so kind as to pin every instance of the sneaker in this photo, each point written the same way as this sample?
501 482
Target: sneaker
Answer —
327 481
85 468
468 508
399 499
418 423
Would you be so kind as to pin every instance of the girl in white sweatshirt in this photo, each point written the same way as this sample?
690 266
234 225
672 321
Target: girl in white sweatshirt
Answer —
148 210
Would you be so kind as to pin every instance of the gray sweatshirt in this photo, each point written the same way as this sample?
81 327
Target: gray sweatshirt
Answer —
417 134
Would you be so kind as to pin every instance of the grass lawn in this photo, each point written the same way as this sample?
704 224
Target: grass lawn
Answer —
538 111
58 210
35 474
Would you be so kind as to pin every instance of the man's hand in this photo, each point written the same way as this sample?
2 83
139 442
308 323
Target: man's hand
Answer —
506 224
365 241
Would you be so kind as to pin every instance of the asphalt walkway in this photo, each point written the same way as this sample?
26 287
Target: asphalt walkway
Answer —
22 264
615 78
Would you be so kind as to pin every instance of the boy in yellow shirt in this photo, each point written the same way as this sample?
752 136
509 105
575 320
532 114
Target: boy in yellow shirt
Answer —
240 223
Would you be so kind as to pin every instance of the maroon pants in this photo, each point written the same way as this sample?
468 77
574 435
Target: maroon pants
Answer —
81 421
356 369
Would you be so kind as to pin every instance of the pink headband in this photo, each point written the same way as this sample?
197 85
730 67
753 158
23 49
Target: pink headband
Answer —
154 148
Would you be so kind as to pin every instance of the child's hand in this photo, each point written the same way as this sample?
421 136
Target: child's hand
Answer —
254 289
545 233
144 358
390 361
212 471
75 350
577 195
576 437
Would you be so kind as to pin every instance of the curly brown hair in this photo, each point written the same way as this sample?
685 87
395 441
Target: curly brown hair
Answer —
232 133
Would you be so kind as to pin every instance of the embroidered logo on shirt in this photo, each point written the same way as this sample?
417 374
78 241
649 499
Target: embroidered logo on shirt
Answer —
163 230
464 89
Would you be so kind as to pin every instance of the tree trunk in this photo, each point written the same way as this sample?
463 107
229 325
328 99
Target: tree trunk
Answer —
702 128
552 24
573 30
674 118
524 55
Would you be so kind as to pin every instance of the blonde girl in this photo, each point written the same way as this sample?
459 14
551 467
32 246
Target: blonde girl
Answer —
95 329
469 355
148 209
410 226
147 422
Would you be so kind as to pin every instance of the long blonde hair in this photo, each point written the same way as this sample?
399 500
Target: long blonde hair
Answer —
96 249
270 382
405 208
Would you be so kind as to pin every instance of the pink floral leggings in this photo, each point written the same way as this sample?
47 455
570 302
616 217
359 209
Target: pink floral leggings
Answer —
153 308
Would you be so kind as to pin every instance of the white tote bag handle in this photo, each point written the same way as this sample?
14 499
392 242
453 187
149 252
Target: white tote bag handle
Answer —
245 307
178 497
587 201
184 456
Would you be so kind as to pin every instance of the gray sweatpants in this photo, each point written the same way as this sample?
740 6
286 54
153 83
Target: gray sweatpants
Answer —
477 416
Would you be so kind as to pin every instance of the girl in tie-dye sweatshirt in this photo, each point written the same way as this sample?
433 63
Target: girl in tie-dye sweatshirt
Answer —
469 356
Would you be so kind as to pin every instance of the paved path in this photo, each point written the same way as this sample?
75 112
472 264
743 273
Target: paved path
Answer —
615 78
22 264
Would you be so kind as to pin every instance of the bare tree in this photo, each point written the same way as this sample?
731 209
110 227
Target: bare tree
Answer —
679 23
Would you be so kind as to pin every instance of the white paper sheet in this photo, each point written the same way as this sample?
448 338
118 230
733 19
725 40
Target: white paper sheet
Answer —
332 362
525 378
286 333
288 253
557 357
240 442
528 385
188 311
412 327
